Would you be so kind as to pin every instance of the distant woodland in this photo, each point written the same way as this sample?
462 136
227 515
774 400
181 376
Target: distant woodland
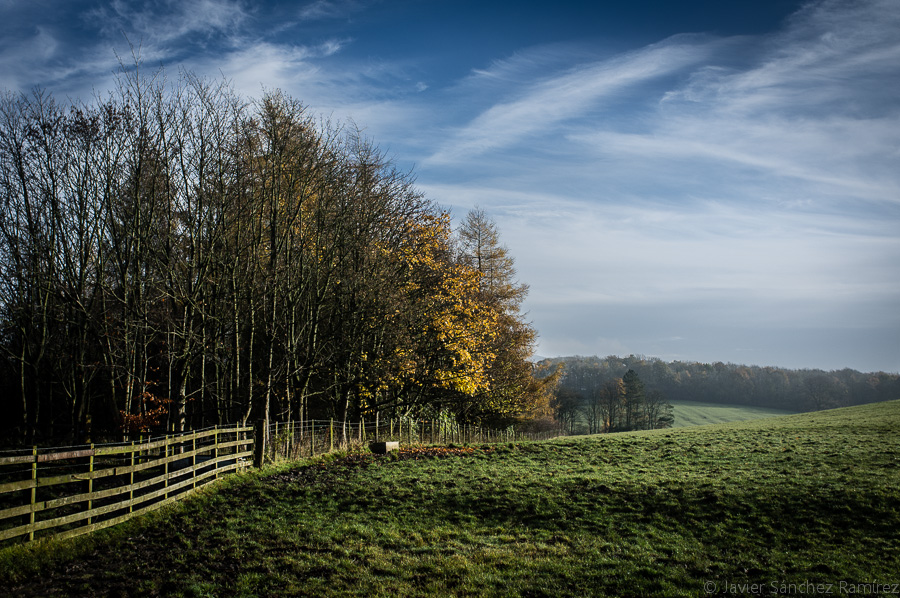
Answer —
175 256
591 389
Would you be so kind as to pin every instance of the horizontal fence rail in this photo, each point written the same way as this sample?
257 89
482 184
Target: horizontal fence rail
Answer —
69 491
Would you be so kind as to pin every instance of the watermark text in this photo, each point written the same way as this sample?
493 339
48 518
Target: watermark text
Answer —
803 588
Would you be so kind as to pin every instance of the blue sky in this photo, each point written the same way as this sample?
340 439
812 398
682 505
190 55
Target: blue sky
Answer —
694 180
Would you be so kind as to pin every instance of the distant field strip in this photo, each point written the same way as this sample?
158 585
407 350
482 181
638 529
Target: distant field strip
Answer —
692 413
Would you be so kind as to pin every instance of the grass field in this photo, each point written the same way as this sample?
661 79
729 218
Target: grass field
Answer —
809 498
693 413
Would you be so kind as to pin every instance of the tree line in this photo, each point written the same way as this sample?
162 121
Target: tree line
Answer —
588 399
588 379
173 255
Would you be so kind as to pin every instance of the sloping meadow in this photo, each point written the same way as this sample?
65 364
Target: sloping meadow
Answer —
786 506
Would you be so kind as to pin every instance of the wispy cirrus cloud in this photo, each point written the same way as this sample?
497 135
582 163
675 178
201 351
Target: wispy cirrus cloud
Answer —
40 46
817 104
835 157
266 65
329 9
809 112
165 21
560 97
76 46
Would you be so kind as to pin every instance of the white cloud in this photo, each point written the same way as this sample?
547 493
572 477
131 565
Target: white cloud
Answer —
328 9
839 156
567 96
524 65
267 65
21 58
818 104
164 21
732 263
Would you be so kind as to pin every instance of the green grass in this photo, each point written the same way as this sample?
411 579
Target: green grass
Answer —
802 498
694 413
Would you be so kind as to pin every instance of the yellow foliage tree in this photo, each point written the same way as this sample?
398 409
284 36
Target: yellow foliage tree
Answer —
451 332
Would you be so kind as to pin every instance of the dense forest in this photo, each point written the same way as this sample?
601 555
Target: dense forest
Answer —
587 382
590 400
174 256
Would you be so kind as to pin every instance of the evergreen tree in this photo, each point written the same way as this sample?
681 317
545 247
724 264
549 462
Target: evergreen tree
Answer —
633 399
514 388
480 248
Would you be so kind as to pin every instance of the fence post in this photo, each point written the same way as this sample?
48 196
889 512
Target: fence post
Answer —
291 427
312 438
131 482
216 451
166 466
259 443
194 461
34 463
237 436
331 436
90 483
274 444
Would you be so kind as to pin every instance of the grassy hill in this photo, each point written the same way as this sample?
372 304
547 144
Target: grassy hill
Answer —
693 413
711 510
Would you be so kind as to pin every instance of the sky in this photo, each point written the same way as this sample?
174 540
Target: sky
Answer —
701 180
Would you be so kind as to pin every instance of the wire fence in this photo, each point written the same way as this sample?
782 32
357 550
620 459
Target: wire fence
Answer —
305 438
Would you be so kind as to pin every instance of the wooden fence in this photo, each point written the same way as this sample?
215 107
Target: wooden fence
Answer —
69 491
75 490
